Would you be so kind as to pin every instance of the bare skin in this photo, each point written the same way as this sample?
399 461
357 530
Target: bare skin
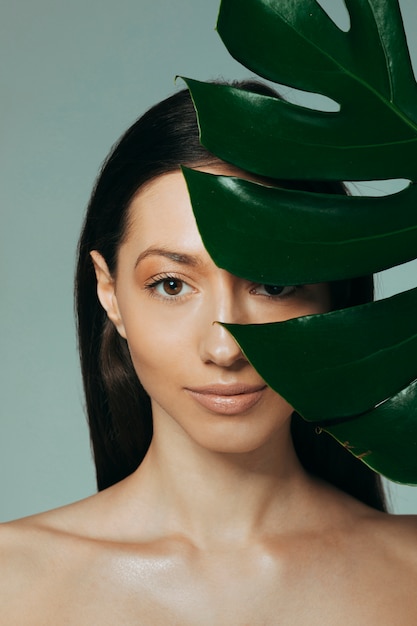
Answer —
220 525
127 557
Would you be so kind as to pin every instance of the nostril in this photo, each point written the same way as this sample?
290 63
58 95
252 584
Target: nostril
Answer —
219 347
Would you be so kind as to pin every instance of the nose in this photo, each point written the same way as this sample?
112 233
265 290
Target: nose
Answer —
218 347
216 343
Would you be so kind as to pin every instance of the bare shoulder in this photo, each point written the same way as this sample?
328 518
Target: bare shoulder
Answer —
37 554
386 535
368 562
22 542
386 547
397 535
24 554
71 566
36 542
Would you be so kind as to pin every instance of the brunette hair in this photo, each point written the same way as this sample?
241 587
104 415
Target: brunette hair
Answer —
118 408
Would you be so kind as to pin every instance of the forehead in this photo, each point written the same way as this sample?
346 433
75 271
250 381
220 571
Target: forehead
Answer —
161 209
161 212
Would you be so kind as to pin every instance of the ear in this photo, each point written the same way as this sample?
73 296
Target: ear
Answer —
106 291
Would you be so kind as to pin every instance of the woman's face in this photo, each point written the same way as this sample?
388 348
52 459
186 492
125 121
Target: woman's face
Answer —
166 298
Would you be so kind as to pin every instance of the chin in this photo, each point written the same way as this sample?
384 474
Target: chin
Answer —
239 439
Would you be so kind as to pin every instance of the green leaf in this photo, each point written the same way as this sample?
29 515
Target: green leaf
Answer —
338 364
385 438
294 43
367 71
338 367
280 229
271 137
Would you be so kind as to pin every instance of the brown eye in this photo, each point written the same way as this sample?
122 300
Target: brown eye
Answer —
172 286
169 288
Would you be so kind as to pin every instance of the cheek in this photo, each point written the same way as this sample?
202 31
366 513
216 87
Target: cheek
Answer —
159 349
283 407
320 299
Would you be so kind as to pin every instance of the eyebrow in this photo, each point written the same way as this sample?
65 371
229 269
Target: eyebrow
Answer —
177 257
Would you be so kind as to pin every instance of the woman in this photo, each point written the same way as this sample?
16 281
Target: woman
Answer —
216 505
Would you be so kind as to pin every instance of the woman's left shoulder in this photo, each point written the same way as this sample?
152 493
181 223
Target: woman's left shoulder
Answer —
403 526
395 536
407 524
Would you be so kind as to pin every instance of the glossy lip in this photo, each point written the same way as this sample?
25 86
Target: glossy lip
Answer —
227 399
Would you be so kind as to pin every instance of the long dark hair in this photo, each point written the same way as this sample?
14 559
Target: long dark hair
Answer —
118 408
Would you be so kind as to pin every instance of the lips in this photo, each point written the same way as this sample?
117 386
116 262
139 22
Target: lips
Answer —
227 399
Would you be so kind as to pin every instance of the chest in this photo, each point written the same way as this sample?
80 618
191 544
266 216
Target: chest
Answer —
231 590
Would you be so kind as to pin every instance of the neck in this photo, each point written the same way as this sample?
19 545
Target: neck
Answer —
219 497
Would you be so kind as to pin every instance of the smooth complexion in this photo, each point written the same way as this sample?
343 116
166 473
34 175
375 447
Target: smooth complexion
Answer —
166 300
220 524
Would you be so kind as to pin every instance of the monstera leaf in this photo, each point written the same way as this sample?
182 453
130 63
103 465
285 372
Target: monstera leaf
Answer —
341 236
352 371
380 439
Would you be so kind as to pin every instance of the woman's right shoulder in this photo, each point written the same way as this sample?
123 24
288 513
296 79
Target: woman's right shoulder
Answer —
23 552
20 540
33 554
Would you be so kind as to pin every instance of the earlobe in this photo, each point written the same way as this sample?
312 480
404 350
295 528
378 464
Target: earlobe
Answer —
106 291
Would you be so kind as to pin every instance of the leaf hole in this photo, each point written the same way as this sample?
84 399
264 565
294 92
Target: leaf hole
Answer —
377 188
395 280
338 13
315 101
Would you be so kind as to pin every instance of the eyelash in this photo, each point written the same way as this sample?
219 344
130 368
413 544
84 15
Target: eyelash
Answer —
161 278
294 289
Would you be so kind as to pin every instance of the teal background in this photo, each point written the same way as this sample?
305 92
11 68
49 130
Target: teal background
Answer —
74 75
